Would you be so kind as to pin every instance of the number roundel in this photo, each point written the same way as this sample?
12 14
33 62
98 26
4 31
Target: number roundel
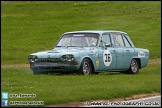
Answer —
107 58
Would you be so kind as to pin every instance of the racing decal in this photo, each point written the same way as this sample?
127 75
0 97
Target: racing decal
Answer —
92 50
78 35
141 54
97 63
107 58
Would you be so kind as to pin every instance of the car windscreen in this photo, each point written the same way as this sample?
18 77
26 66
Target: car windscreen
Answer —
79 39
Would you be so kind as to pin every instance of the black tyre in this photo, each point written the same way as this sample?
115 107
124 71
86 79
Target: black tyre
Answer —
134 67
96 73
85 67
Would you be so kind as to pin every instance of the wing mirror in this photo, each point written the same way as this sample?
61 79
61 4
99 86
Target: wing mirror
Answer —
107 45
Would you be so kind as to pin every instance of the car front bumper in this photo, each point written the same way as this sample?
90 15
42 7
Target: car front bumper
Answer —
54 66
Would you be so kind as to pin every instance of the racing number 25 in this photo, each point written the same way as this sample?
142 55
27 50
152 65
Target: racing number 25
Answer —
108 58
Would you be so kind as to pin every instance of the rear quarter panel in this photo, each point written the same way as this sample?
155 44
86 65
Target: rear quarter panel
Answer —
142 55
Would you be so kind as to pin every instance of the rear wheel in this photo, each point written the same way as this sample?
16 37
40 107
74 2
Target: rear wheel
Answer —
85 67
134 67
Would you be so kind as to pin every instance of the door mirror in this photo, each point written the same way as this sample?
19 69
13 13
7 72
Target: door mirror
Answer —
107 45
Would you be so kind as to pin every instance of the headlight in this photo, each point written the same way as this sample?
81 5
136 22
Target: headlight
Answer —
68 57
32 58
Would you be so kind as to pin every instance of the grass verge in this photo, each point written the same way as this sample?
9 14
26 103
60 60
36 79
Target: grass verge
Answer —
55 89
32 26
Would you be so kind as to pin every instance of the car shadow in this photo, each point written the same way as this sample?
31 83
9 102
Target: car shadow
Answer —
101 73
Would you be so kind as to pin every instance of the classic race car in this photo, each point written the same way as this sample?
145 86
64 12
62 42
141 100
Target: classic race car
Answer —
88 52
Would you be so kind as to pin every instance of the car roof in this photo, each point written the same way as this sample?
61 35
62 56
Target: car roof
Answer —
95 31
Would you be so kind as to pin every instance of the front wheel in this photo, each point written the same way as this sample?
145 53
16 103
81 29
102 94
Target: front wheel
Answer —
85 67
134 67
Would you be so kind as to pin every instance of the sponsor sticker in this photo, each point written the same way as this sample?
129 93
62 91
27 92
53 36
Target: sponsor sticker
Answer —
78 35
92 50
141 54
97 63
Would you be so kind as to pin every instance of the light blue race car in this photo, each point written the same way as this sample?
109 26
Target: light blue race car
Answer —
89 52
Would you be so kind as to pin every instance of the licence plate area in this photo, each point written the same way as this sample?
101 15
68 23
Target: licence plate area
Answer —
49 68
57 65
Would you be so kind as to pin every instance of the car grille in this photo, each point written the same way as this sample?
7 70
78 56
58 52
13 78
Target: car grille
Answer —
50 60
52 64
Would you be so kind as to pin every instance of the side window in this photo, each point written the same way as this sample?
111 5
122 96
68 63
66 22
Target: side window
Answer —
127 44
118 40
93 41
106 39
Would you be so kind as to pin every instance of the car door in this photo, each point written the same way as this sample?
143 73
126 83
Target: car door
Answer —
122 51
107 55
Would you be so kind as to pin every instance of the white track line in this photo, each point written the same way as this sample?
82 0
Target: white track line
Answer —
145 98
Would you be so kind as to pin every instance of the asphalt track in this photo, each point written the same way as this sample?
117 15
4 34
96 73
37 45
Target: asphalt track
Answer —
153 101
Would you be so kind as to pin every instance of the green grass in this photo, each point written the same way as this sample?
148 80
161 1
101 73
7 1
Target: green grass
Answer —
28 27
31 26
54 89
